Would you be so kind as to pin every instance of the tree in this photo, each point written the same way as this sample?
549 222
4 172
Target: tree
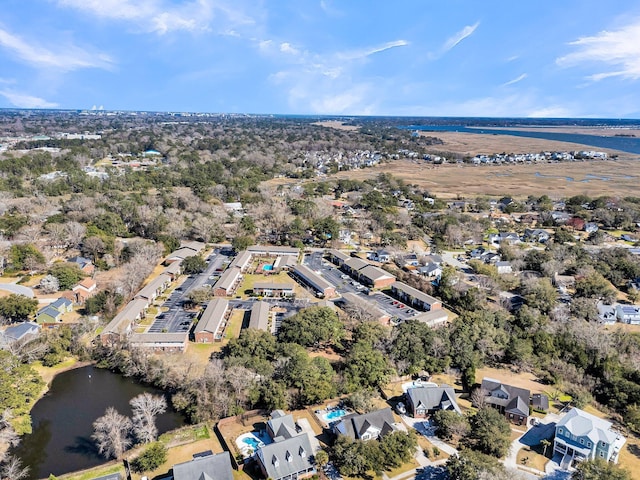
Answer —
472 465
68 274
12 469
242 242
193 264
49 284
546 443
599 469
322 458
25 256
17 307
490 433
540 294
19 384
312 327
111 433
152 457
146 408
366 367
450 424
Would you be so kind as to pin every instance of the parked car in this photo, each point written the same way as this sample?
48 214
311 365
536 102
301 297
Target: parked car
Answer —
400 408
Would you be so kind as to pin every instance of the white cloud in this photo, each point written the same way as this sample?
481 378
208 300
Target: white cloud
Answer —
515 80
286 47
161 17
618 48
22 100
67 57
553 111
459 36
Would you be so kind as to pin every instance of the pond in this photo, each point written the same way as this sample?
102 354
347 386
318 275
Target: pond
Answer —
62 420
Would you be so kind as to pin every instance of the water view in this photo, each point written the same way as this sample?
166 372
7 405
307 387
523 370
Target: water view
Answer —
62 420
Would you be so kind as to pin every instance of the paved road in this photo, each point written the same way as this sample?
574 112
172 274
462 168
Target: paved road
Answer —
17 289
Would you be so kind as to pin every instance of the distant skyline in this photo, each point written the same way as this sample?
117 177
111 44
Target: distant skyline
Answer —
575 58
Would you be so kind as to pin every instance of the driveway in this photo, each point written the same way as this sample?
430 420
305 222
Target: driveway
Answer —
17 289
426 429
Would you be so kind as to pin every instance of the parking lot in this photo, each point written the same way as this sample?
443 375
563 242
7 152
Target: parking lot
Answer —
344 283
173 318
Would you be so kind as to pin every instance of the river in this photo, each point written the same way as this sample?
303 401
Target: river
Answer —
62 420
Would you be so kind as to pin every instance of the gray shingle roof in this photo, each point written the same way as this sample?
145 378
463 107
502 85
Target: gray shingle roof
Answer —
213 467
434 398
355 425
286 457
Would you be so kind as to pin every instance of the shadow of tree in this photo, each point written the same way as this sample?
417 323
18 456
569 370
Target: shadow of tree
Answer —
85 447
634 450
432 473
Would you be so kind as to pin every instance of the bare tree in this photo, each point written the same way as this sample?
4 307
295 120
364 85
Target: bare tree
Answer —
8 436
145 409
75 232
479 397
12 469
111 433
49 284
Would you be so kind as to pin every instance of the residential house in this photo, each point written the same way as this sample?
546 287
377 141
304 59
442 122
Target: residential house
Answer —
540 402
381 256
322 287
22 332
512 402
122 324
353 265
154 288
591 227
287 458
368 426
582 436
269 289
536 235
53 312
628 314
425 400
83 290
282 424
212 321
504 267
208 467
173 270
410 260
242 261
576 223
84 264
507 237
432 270
433 258
606 313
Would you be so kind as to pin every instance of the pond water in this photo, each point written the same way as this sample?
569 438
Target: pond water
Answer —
62 420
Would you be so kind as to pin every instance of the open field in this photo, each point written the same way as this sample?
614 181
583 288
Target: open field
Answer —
336 124
476 143
619 177
521 380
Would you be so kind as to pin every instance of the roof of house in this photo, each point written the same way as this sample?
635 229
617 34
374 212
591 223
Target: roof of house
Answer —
282 424
18 332
259 318
50 311
583 424
415 293
212 316
338 254
182 253
193 245
285 261
429 268
516 401
312 277
148 339
286 457
432 317
241 259
540 401
81 261
228 278
356 263
61 303
374 273
274 250
86 283
434 398
173 268
503 264
209 467
151 289
129 313
355 425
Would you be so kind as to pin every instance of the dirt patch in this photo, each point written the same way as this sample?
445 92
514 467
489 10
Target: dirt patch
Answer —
337 125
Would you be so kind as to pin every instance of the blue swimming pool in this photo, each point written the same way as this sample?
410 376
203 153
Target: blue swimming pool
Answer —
267 268
334 415
252 442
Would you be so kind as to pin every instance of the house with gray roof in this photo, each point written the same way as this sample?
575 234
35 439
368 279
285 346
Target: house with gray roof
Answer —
22 332
428 399
628 314
208 467
282 425
512 402
259 318
582 436
287 458
368 426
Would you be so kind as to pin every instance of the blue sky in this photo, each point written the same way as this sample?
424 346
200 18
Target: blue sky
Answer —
543 58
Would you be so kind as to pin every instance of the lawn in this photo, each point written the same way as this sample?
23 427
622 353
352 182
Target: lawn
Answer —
532 458
95 472
234 326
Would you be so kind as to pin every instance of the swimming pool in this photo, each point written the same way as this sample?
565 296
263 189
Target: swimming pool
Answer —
267 268
333 415
248 443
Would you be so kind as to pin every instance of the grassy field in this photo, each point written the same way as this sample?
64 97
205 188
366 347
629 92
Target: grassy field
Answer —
234 326
95 472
